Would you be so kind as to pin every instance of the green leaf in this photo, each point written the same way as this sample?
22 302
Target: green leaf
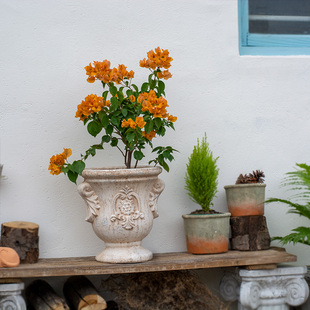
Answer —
94 128
161 131
114 142
114 103
129 92
97 147
109 130
78 166
105 139
138 155
65 169
124 112
149 126
144 87
135 87
72 176
161 87
166 154
130 136
105 120
157 122
105 94
113 90
115 120
120 95
152 83
164 165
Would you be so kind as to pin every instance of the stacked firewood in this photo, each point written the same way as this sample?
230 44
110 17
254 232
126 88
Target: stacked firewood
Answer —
79 294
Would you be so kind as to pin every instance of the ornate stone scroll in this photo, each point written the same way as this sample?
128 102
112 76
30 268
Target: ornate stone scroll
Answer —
157 189
11 296
91 199
276 289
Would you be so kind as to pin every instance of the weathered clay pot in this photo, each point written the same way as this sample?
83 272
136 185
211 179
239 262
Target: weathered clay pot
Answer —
245 199
207 233
122 204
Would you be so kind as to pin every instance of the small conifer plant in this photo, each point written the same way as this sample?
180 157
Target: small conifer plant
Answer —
201 177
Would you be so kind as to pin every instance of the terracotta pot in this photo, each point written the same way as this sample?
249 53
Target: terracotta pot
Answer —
245 199
122 204
207 233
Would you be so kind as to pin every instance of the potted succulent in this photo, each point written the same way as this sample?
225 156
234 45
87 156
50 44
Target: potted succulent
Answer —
207 231
122 201
247 196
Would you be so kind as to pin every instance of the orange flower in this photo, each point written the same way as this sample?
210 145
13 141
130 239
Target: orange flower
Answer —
66 153
164 75
156 106
91 104
140 121
149 136
172 118
157 59
132 98
100 71
129 123
58 161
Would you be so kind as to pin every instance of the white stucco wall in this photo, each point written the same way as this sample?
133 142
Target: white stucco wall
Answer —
255 110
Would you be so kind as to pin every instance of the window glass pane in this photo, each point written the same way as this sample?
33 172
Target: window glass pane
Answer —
279 16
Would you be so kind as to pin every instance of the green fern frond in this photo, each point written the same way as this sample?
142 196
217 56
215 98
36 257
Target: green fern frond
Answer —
300 235
299 182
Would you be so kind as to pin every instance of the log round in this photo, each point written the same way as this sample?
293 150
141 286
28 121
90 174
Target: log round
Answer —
41 296
81 294
23 238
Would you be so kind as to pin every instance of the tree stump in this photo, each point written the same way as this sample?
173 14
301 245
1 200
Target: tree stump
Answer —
23 238
249 233
82 295
41 296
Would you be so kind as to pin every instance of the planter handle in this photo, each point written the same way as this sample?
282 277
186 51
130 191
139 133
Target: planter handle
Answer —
91 199
157 189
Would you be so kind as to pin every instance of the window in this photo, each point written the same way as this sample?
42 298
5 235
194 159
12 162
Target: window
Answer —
274 27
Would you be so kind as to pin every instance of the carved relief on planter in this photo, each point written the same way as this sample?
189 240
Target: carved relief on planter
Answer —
126 208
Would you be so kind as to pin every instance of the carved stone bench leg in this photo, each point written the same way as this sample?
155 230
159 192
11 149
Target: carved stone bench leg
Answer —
10 296
275 289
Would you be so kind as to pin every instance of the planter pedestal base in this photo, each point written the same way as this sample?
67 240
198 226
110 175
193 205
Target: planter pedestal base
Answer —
276 289
131 252
11 296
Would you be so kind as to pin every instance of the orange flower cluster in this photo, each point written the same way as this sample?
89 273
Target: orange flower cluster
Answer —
132 124
164 75
156 106
102 71
158 59
150 135
58 161
91 104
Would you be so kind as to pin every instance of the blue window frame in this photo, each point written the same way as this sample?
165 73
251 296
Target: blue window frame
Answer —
255 40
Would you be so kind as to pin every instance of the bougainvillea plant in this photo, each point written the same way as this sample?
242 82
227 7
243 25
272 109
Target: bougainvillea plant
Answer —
128 116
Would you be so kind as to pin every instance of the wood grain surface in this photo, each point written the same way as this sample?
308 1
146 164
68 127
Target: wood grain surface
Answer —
47 267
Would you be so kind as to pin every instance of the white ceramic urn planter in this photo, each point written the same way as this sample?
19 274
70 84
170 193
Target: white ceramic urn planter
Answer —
122 204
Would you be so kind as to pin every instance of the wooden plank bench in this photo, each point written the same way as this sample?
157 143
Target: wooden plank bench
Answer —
53 267
255 265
